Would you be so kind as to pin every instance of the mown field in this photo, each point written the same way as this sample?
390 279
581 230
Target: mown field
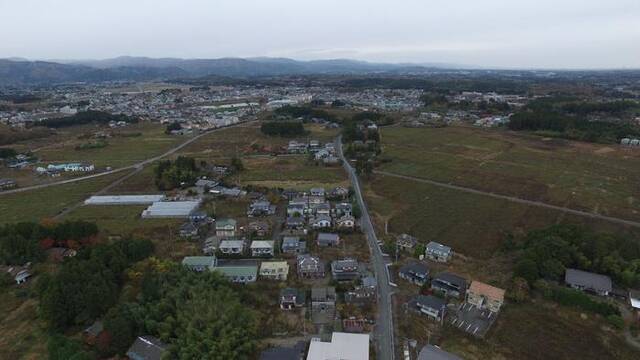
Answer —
120 151
43 203
589 177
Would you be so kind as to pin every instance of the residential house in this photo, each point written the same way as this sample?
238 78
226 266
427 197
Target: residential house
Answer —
232 247
274 270
315 200
343 346
346 223
293 245
239 273
320 222
343 209
296 147
296 209
90 334
406 242
321 209
634 301
147 348
339 193
188 230
432 352
226 227
415 272
284 353
310 266
484 296
261 208
362 294
199 263
262 248
210 245
449 284
432 306
345 270
295 223
587 281
328 239
259 228
317 192
438 252
323 299
205 185
291 298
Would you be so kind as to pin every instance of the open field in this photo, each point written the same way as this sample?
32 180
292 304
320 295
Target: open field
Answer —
120 151
290 172
243 139
541 331
474 225
37 204
22 334
583 176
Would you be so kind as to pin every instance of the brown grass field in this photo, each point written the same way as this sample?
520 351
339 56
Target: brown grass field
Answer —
583 176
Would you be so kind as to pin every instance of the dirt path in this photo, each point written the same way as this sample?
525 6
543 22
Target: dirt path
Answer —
130 167
515 199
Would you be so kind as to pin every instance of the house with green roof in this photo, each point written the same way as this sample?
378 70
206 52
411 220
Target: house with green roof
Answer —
200 263
239 273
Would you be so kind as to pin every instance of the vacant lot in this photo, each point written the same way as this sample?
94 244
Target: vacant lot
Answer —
290 172
473 225
541 331
248 140
577 175
22 334
37 204
120 151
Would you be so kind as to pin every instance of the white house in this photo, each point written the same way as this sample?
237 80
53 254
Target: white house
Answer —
262 248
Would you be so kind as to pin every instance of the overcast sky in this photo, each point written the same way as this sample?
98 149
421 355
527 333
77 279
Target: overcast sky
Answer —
501 33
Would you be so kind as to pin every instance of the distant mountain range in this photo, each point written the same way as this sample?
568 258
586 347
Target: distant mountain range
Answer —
16 71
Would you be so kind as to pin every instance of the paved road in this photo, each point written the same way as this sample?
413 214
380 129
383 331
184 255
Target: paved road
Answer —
514 199
384 331
137 166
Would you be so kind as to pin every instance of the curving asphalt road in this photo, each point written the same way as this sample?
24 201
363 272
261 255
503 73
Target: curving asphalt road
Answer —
137 166
384 331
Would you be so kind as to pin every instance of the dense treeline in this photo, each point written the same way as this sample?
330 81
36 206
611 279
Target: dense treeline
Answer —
305 112
569 120
613 107
86 117
172 174
88 284
26 241
200 315
443 85
548 252
283 128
